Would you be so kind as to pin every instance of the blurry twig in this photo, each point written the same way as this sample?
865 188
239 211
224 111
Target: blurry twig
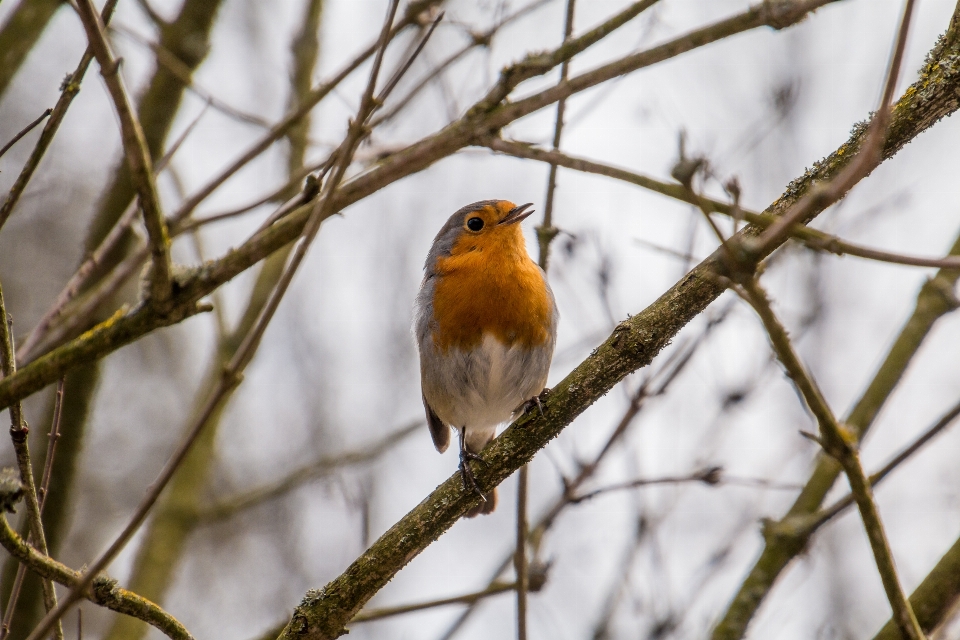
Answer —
27 129
841 445
323 466
295 180
51 444
184 74
68 91
136 151
481 39
601 630
19 432
469 598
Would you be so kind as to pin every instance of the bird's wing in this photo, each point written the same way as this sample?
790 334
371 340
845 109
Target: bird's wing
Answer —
438 431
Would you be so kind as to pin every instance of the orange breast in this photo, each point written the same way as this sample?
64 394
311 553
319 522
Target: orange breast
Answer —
489 284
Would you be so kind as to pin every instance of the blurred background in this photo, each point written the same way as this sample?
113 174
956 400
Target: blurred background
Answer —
322 447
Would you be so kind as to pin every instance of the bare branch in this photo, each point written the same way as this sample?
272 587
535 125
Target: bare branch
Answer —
68 91
323 466
104 591
838 443
812 238
136 151
27 129
19 433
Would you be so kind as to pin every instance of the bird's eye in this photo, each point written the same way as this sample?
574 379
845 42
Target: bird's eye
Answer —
475 224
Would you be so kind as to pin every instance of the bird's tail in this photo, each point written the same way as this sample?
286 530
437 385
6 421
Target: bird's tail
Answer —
484 507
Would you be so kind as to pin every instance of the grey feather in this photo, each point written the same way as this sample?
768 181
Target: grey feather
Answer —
438 431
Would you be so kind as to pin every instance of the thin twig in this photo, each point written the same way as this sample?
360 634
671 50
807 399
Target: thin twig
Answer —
42 495
27 129
822 516
476 40
19 433
469 598
325 465
68 91
191 224
812 238
136 151
51 444
838 443
184 74
867 158
710 476
545 233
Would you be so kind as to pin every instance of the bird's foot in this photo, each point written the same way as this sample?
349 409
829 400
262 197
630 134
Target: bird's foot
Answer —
466 473
535 401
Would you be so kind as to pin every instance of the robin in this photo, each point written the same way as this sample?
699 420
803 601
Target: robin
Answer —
486 325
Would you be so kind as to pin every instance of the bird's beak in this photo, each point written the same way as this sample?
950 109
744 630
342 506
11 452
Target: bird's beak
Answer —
517 214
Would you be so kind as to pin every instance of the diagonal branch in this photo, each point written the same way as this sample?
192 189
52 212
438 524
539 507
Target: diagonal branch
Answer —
68 91
27 129
840 444
136 151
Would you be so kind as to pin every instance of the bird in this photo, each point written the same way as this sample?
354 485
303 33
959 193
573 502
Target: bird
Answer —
486 327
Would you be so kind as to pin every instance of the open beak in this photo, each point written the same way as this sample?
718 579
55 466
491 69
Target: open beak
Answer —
517 214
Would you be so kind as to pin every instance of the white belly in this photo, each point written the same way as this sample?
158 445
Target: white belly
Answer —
480 389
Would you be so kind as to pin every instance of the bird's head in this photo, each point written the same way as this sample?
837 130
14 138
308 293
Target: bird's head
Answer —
488 226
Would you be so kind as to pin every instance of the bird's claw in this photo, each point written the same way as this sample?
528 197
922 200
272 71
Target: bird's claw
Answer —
535 402
466 473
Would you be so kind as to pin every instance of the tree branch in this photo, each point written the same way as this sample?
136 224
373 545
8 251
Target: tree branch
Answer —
104 591
19 433
841 445
136 151
68 91
811 238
